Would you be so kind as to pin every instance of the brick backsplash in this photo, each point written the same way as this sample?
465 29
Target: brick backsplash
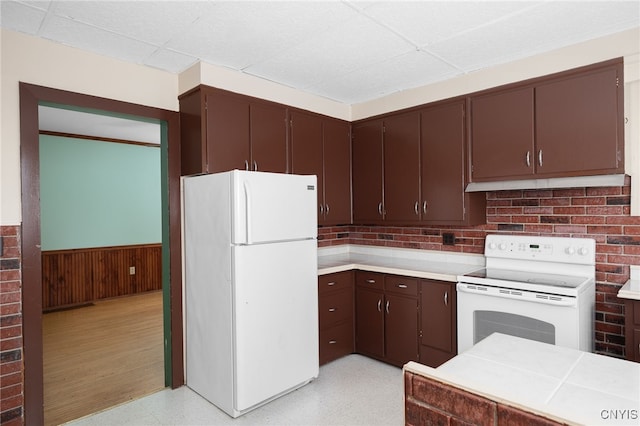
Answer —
599 213
11 364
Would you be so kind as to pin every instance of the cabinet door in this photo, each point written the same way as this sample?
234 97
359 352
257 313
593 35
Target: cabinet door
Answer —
369 322
402 167
268 138
227 132
368 203
443 163
577 125
437 302
337 172
401 329
502 135
306 150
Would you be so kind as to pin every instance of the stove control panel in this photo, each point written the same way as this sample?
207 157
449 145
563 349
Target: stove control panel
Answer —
550 249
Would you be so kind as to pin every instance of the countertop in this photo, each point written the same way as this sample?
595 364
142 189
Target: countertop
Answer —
631 290
437 265
559 383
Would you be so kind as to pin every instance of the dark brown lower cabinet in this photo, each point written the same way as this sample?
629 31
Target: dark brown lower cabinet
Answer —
438 337
387 317
335 315
632 329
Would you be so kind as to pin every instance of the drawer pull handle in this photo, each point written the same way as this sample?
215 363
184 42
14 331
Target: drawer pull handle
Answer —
333 342
332 309
331 283
370 281
402 286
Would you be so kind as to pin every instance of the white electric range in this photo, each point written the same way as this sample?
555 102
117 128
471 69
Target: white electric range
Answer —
540 288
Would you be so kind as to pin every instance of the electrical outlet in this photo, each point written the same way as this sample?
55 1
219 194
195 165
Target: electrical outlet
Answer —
448 239
132 270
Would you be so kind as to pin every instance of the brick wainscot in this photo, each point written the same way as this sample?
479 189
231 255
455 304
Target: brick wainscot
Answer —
11 365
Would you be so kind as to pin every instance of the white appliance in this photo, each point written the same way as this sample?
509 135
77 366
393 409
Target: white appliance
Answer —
251 301
539 288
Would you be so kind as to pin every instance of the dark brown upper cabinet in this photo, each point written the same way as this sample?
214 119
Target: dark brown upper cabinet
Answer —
443 168
367 179
223 131
402 167
565 124
321 146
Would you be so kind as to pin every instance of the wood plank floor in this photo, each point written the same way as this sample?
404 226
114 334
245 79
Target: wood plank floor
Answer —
99 356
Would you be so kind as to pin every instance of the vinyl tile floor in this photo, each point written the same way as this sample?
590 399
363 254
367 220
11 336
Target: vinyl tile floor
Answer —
353 390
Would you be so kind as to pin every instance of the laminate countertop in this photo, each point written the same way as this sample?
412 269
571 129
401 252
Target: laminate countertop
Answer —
437 265
562 384
631 290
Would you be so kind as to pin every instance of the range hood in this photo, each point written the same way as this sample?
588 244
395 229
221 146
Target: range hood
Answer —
552 183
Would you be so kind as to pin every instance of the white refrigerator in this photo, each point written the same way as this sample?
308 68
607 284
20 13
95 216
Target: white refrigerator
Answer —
251 301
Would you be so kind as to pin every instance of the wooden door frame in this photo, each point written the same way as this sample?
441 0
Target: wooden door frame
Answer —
30 97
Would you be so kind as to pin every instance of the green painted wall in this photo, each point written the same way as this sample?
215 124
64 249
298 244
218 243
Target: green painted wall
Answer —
98 194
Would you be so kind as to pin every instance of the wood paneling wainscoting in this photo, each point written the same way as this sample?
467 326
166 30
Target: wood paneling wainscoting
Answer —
80 276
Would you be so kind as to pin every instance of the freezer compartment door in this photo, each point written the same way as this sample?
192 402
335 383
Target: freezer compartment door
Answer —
272 207
276 319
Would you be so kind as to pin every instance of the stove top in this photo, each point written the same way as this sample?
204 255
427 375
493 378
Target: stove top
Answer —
551 265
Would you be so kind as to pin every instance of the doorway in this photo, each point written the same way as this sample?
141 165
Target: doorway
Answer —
31 97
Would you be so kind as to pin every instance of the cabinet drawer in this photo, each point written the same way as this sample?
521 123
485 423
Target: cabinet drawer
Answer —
372 280
335 307
401 285
337 281
336 342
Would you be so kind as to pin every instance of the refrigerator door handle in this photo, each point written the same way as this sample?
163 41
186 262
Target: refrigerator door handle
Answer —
247 196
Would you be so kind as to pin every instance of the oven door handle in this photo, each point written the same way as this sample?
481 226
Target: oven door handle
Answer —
525 296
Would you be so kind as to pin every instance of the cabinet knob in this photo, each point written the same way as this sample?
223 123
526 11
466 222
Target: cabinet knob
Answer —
380 208
326 208
446 298
331 283
402 286
370 281
417 208
528 158
424 207
333 342
255 166
540 158
386 306
246 165
332 309
379 305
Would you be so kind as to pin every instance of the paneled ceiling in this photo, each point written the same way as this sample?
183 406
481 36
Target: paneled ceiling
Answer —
347 51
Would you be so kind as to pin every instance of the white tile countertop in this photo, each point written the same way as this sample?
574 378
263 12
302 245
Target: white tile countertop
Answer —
559 383
631 290
437 265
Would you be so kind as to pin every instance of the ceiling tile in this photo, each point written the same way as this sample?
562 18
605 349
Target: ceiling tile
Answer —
237 34
169 60
153 22
337 51
551 26
410 70
86 37
20 17
427 22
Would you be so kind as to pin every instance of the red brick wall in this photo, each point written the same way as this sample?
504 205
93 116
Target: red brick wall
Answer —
599 213
11 366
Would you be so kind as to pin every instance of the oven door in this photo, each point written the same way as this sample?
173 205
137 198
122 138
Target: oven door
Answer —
483 310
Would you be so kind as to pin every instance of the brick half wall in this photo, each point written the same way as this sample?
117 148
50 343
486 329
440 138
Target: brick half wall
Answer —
599 213
11 360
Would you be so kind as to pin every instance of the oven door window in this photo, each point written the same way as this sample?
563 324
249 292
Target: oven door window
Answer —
488 322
